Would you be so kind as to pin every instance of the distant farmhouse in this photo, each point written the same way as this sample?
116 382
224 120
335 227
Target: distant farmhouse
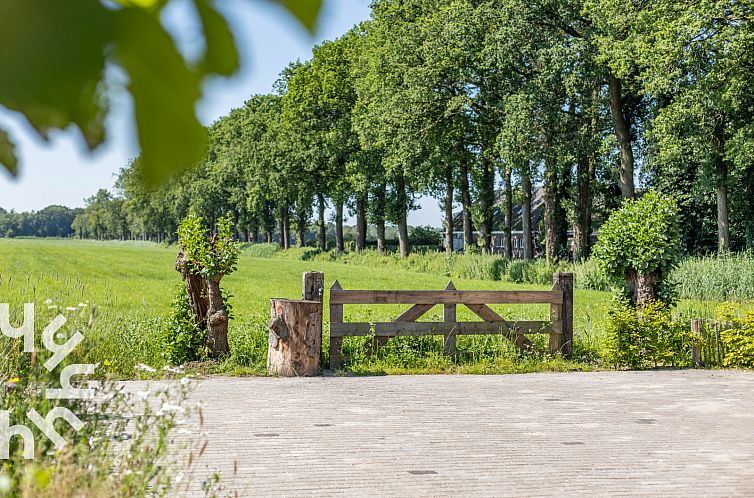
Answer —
517 233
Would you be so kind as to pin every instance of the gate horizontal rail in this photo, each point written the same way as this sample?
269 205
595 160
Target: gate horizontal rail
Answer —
559 327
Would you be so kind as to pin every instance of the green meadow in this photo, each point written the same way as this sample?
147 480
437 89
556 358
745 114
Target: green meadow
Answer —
117 294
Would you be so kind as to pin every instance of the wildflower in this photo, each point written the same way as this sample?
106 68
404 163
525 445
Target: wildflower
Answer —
14 380
145 368
48 301
82 305
106 363
168 408
175 370
185 381
5 484
71 308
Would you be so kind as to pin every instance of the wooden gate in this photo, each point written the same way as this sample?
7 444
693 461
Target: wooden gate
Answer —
559 327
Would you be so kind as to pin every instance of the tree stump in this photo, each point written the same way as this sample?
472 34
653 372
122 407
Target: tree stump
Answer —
295 340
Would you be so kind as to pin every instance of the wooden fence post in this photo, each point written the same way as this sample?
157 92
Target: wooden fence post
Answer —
449 315
696 336
563 312
336 343
312 286
295 340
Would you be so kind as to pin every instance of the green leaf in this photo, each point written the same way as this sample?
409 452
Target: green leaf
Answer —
164 91
306 11
221 56
52 61
8 153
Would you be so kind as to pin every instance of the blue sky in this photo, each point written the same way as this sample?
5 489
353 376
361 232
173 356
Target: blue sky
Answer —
64 172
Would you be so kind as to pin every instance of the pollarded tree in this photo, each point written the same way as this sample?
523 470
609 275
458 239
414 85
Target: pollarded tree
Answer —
639 244
204 259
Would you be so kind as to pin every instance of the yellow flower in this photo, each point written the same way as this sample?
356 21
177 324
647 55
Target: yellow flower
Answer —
14 380
106 363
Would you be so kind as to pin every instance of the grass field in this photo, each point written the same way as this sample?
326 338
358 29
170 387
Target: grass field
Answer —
116 293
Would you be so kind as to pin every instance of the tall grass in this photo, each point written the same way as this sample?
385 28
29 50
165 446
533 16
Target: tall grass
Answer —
724 277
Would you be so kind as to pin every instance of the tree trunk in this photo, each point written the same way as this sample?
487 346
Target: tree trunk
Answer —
550 194
361 222
468 233
402 199
486 204
246 234
287 228
295 338
321 222
623 135
582 229
281 229
268 236
642 287
255 234
448 205
217 320
339 245
508 206
379 215
197 291
526 211
301 229
721 186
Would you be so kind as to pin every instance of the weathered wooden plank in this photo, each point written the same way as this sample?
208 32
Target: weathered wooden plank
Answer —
336 343
414 312
444 297
398 329
488 314
449 316
562 339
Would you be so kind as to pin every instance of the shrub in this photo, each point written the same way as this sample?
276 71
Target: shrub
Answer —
182 339
260 250
586 275
425 236
738 337
639 245
651 339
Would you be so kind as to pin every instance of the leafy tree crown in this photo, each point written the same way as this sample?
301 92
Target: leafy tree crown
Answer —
211 257
643 235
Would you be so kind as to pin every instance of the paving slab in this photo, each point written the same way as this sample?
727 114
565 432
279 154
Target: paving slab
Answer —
656 433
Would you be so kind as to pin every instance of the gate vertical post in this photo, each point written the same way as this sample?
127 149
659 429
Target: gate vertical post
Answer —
696 336
449 315
313 286
336 343
563 312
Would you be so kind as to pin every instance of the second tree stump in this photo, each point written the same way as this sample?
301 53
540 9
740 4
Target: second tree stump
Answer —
295 339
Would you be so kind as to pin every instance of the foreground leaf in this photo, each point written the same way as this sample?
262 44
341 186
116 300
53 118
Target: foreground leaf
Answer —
164 90
52 61
306 11
8 153
221 56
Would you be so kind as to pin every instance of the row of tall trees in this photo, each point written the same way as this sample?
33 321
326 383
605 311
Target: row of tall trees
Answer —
460 99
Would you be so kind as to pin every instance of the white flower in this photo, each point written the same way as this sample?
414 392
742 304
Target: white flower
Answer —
54 307
175 370
83 305
71 308
146 368
185 381
48 301
5 484
168 408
